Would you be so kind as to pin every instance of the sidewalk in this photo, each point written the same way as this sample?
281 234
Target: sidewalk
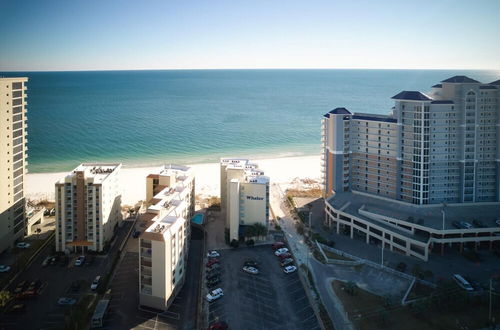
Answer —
301 252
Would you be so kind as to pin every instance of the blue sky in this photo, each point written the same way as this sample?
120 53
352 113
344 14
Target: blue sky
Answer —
168 34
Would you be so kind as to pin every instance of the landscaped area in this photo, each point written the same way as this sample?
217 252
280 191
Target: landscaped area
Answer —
447 308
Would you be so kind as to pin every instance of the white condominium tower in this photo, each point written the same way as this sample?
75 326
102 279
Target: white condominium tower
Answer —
164 244
13 154
88 207
434 154
244 192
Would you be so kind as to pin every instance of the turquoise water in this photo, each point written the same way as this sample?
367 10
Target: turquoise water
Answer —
193 116
198 219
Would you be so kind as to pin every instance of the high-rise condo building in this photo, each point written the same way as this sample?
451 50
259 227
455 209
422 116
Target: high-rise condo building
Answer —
13 154
88 207
435 157
164 243
244 192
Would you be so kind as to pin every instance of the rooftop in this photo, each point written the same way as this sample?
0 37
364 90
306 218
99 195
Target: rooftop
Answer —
431 215
412 95
437 86
340 111
442 102
460 80
98 172
487 87
496 82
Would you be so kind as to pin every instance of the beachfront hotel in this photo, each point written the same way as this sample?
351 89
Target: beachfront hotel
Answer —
13 154
88 207
425 176
164 240
244 192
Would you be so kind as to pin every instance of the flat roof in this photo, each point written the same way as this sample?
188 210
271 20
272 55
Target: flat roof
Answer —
431 214
99 172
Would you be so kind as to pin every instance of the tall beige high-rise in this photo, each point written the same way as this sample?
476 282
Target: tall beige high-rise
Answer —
12 159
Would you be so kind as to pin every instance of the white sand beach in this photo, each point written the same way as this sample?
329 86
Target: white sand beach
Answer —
285 171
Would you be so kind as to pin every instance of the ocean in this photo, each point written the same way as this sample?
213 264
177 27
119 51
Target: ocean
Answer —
197 116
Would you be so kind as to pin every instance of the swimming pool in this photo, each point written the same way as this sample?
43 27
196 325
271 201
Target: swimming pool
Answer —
198 219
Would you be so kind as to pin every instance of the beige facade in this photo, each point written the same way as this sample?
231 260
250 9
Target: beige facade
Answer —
88 207
244 195
13 154
164 244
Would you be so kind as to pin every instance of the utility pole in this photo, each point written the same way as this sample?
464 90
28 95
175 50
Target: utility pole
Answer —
491 287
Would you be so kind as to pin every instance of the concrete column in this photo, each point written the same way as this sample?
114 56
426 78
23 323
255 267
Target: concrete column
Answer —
338 226
352 231
368 235
407 243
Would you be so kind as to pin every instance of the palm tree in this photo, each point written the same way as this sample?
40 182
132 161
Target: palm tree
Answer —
260 230
4 298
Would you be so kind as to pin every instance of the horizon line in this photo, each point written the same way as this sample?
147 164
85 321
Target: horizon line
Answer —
264 68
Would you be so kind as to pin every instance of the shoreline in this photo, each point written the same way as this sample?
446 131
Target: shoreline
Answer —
283 170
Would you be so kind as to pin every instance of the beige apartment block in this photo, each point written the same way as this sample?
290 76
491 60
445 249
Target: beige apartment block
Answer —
244 195
13 154
88 207
164 243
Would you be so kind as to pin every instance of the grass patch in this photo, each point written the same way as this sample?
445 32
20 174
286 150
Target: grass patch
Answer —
314 192
450 310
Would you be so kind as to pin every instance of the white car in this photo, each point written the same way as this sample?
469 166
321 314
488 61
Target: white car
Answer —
289 269
95 284
251 270
214 295
23 245
79 261
213 254
280 251
66 301
4 268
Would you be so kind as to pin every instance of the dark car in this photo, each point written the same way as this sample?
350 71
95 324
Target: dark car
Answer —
213 276
136 234
220 325
53 260
278 245
212 262
20 287
286 262
89 260
478 223
213 267
212 284
32 289
75 286
285 256
16 309
63 261
456 224
251 263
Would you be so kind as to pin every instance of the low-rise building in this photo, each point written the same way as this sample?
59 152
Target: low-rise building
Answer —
88 207
164 242
244 195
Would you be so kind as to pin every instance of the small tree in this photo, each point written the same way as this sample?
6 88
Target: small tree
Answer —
250 242
4 298
234 243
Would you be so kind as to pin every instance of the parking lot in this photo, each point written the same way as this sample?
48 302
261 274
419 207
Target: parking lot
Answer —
58 280
124 310
268 300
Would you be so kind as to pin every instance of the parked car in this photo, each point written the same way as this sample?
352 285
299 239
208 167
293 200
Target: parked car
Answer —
465 225
23 245
66 301
33 287
79 261
462 282
75 286
456 224
497 222
52 212
212 284
220 325
251 270
46 261
286 261
20 287
63 261
251 263
212 262
289 269
277 245
54 260
4 268
16 309
89 261
136 234
478 223
213 254
214 295
213 267
280 251
285 255
95 283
